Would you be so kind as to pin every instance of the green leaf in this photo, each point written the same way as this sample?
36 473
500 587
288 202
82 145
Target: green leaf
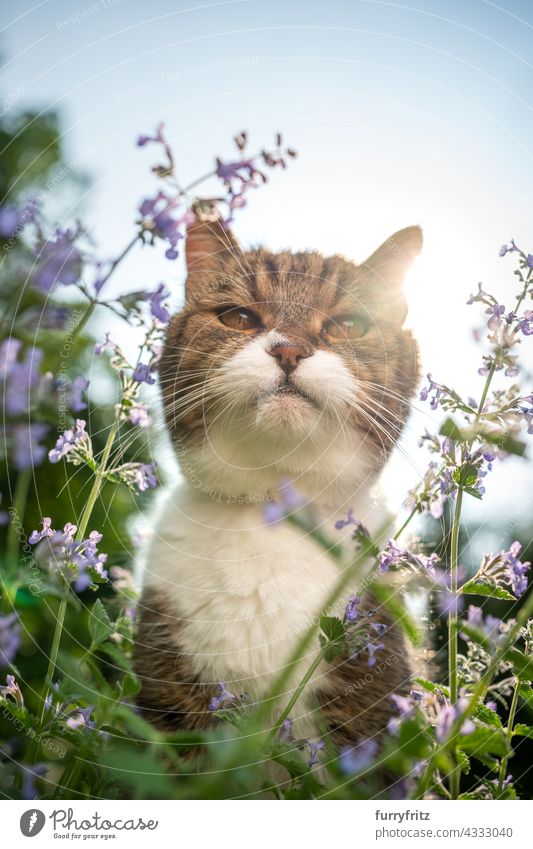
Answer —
526 693
431 687
522 665
451 430
505 442
463 761
474 587
488 716
522 730
333 638
473 492
466 475
100 625
483 741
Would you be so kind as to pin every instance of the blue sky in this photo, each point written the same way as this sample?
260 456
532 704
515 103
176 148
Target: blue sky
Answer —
402 113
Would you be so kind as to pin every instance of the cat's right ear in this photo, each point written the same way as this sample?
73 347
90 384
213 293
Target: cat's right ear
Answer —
208 247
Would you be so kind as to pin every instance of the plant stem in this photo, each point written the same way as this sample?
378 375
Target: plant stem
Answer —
452 625
509 734
296 695
52 660
99 478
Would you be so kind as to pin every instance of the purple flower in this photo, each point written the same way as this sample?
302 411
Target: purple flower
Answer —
342 523
82 719
9 638
505 570
285 731
372 649
157 308
78 560
139 416
289 501
446 717
27 452
158 220
351 611
359 758
58 261
242 171
224 696
437 389
106 345
526 324
77 388
13 690
529 260
142 374
495 311
507 249
137 476
47 531
392 555
74 444
314 748
158 137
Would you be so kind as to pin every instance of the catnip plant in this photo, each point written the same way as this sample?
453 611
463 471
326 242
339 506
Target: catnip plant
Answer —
72 730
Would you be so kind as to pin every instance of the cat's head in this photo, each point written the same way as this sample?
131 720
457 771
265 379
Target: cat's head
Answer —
284 363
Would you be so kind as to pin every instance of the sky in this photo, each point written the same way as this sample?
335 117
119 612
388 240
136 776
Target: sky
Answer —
401 114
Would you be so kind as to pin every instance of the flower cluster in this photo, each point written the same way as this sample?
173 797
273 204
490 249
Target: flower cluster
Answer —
434 708
79 561
505 570
74 445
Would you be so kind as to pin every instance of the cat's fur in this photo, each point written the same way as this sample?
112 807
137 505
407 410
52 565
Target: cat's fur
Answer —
225 597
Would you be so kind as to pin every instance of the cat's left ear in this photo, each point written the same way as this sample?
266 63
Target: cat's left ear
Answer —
208 247
387 267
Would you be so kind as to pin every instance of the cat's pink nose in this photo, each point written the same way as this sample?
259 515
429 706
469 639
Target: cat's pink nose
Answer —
288 356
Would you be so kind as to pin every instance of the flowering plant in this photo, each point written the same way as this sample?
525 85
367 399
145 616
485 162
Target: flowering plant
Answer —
69 726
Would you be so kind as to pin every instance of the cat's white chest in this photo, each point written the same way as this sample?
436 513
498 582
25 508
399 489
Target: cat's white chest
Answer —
243 593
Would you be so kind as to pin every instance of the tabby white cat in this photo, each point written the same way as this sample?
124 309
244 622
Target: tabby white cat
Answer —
281 367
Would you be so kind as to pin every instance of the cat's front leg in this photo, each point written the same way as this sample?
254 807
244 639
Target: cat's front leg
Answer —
172 696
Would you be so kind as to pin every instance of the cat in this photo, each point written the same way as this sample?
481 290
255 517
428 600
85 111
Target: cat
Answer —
280 367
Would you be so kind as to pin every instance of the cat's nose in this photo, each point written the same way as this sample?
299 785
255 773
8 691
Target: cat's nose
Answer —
288 356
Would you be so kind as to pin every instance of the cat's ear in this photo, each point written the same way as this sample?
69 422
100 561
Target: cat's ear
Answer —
387 267
208 247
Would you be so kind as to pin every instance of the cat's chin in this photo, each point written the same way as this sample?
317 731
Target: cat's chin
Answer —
287 411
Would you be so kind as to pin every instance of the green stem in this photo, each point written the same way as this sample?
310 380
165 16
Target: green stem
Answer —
99 479
52 660
296 695
452 625
509 734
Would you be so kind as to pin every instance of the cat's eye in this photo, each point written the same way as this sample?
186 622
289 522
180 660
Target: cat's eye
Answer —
345 327
239 318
